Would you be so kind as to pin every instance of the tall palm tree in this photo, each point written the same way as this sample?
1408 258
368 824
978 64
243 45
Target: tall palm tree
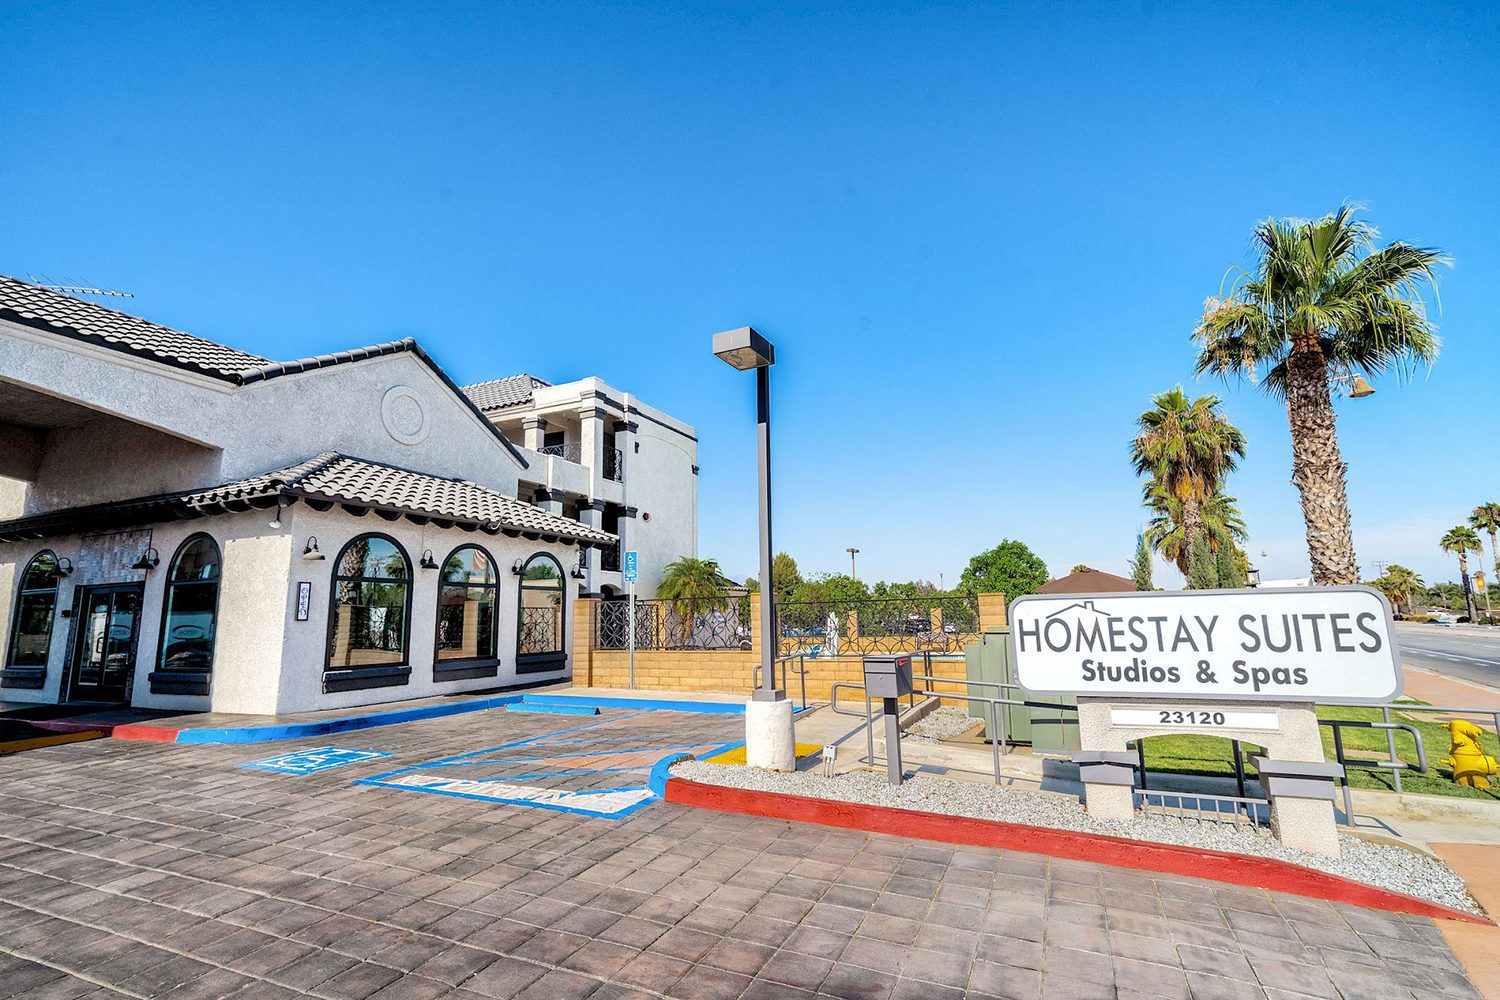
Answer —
1322 303
1463 540
1219 519
1486 517
1187 447
1404 583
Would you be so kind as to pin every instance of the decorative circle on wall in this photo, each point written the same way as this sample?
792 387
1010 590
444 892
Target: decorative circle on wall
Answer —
404 414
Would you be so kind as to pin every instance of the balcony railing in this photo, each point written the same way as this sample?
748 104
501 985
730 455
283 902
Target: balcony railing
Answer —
572 451
614 465
609 558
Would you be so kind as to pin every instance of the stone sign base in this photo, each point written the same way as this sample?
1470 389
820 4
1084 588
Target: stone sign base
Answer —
1297 780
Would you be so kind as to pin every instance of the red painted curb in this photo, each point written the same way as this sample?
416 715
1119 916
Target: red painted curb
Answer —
151 734
1217 866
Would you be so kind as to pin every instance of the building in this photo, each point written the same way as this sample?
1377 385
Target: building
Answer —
184 525
1088 581
602 457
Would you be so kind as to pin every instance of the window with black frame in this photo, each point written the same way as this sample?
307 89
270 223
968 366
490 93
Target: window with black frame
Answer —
539 624
467 593
189 619
367 629
31 624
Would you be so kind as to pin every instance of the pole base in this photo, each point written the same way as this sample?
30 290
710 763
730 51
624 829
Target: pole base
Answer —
770 737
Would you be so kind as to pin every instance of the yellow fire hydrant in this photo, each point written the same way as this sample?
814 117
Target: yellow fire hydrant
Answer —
1471 765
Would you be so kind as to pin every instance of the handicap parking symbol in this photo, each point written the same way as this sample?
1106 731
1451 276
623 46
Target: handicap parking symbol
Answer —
314 760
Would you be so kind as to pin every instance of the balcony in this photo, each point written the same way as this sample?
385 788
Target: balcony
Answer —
614 465
569 452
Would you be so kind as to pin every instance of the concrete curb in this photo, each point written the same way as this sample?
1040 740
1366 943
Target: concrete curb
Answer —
1217 866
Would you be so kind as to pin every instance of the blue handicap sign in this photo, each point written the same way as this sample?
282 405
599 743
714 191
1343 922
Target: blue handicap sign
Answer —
314 760
631 576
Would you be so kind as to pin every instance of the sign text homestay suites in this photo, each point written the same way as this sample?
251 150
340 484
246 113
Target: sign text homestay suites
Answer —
1302 644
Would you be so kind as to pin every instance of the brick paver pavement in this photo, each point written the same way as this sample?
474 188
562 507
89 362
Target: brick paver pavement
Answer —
169 870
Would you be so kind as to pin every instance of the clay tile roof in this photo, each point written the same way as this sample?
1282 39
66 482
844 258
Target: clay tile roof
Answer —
500 393
1088 581
326 479
54 312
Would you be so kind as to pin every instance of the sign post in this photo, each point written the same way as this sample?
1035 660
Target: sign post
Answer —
631 575
1246 665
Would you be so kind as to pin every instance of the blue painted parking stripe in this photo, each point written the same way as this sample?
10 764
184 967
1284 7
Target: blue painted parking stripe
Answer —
555 709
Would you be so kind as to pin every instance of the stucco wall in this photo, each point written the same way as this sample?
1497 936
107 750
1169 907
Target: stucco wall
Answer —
659 481
265 661
246 430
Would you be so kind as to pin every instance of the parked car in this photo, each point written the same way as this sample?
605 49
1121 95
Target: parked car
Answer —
1446 618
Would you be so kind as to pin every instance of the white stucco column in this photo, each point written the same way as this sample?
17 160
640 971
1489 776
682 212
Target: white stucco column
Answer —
591 515
550 502
533 431
591 436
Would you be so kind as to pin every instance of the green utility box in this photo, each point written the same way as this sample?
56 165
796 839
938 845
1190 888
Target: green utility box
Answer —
1047 730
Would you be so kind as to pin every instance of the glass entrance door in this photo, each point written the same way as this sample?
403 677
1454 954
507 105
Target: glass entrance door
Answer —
104 656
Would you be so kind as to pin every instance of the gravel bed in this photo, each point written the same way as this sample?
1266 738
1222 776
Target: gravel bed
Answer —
1383 865
946 723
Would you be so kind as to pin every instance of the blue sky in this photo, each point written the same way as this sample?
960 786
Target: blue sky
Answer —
979 236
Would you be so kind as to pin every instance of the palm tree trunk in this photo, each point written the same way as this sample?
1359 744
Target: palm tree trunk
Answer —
1463 578
1495 551
1317 467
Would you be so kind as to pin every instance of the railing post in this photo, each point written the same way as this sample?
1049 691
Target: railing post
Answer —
1390 742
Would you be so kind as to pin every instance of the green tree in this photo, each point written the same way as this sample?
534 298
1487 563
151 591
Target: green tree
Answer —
1486 517
1203 570
1141 564
1166 532
1460 541
1403 583
1186 448
1009 568
1321 303
784 576
1081 568
695 583
1230 564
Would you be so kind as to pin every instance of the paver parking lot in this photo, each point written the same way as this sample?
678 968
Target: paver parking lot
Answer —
173 870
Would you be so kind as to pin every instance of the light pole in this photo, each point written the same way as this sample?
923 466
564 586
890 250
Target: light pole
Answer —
852 553
769 740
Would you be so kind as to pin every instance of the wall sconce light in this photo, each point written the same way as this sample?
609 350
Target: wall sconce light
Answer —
518 566
63 569
149 560
578 571
310 551
427 561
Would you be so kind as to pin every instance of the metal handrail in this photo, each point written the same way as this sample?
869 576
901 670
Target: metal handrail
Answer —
1394 765
1400 706
995 718
801 672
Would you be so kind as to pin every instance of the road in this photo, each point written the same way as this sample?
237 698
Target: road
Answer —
1465 653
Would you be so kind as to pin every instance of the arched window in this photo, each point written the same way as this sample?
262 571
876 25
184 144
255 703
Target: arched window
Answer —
466 608
539 625
190 611
36 606
371 605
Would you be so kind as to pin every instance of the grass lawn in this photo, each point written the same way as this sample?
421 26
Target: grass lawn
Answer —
1211 755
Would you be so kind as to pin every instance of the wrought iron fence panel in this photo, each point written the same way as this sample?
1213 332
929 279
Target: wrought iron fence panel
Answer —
614 465
609 558
661 624
572 451
540 631
937 623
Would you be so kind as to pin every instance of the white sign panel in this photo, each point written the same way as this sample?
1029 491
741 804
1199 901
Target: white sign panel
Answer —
1193 718
1302 644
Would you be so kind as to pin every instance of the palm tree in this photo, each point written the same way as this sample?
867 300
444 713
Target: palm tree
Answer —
1463 540
1404 583
1486 517
696 583
1322 303
1219 517
1187 447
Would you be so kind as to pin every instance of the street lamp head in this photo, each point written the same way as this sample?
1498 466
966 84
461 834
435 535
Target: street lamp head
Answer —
744 349
1360 388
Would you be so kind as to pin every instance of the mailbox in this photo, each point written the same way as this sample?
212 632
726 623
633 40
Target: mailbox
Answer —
888 676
